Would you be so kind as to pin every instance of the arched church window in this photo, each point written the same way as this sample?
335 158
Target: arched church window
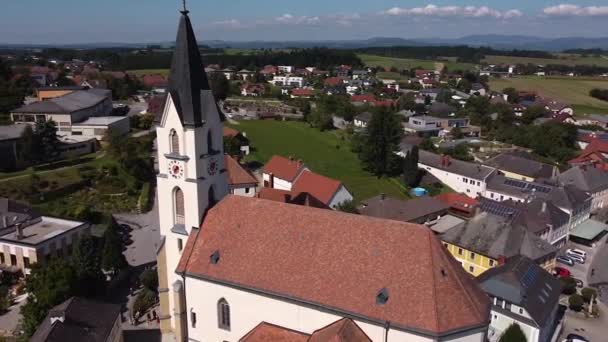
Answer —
179 208
174 142
223 314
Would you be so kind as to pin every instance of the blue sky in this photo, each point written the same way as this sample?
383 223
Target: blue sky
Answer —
71 21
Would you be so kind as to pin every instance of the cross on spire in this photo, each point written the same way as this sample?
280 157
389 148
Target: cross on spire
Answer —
185 10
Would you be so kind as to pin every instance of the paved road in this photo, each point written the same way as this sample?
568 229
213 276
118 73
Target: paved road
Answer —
10 320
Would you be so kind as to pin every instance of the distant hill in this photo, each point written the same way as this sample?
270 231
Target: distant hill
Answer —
506 42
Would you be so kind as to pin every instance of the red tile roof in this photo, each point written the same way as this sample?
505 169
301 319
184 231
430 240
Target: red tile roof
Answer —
302 92
344 330
333 81
337 261
459 202
266 332
321 187
291 197
237 175
283 168
593 154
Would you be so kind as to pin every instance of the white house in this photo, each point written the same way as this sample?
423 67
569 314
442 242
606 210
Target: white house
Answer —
101 127
329 191
240 181
462 177
286 69
522 293
230 264
294 81
591 180
362 120
281 173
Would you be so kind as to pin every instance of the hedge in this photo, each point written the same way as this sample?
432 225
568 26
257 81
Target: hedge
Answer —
144 202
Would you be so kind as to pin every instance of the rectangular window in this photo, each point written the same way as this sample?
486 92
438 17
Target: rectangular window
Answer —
13 260
491 263
471 269
508 306
472 256
180 245
1 258
459 251
521 311
193 318
246 190
26 262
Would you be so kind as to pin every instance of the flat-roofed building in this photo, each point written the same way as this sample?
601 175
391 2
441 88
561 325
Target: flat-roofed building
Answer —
26 237
100 127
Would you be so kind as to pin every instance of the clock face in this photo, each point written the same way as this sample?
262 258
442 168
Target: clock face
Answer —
176 169
212 167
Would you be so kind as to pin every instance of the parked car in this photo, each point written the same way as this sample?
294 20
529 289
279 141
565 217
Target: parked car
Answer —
576 338
574 251
561 272
576 258
565 260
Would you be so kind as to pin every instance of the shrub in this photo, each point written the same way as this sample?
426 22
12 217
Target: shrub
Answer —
144 301
568 285
513 334
149 279
576 302
588 294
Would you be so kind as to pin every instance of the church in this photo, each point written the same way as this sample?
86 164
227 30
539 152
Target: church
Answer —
247 269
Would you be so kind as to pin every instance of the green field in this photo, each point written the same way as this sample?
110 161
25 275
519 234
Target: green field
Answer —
323 152
563 59
572 91
141 72
405 63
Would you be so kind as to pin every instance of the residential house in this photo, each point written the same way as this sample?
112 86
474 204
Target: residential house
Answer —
291 197
422 210
269 70
334 81
591 180
424 125
541 217
241 138
594 154
462 177
525 294
26 237
240 181
478 89
286 69
229 73
245 75
522 166
281 173
363 119
595 120
303 93
358 74
460 205
79 319
252 89
329 191
558 108
487 241
293 81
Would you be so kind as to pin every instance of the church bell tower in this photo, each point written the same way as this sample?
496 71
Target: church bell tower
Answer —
191 176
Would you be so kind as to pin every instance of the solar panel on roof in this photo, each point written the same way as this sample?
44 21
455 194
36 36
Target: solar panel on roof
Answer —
530 276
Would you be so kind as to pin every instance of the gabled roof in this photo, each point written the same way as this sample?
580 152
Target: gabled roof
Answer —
266 332
69 103
321 187
85 320
586 178
521 163
498 237
344 330
237 175
291 197
364 117
405 211
188 79
467 169
339 262
284 168
524 283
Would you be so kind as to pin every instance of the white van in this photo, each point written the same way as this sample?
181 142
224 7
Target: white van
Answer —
578 252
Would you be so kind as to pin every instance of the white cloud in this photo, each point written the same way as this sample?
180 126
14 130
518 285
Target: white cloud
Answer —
564 10
454 11
291 19
230 23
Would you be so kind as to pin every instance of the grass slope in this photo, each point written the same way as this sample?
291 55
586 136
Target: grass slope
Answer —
568 90
405 63
323 152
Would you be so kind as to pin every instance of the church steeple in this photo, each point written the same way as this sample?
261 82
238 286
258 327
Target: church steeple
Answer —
188 80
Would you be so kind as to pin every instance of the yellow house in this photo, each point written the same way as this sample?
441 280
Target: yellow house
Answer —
488 240
522 166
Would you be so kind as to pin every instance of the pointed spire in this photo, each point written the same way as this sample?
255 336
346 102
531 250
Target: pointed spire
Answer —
185 10
188 80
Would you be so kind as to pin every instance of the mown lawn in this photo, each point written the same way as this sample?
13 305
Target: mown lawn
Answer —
574 91
562 59
323 152
405 63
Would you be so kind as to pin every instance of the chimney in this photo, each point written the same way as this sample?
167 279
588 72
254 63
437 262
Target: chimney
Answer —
19 231
544 207
271 180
